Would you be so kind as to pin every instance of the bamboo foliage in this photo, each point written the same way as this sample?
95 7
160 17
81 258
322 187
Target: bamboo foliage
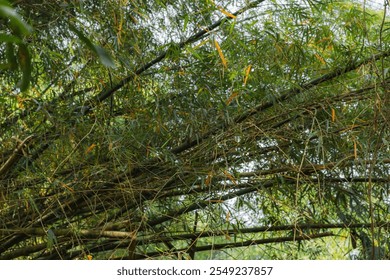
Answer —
138 139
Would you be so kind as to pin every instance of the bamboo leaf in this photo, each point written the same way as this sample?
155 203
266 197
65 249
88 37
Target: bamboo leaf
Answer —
20 26
7 38
320 58
12 61
226 13
25 65
51 239
209 178
103 55
90 148
333 115
231 98
223 59
247 71
230 177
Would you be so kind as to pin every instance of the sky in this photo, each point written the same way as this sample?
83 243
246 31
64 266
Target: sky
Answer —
377 4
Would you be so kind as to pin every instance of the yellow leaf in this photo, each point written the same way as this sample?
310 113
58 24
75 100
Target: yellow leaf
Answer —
90 148
226 13
320 58
119 33
216 201
201 44
20 102
323 40
231 98
223 59
278 48
208 179
89 257
227 217
333 115
67 187
230 177
137 49
247 71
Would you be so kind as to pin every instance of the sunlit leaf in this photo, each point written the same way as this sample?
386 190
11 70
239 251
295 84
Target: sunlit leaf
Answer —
226 13
20 101
7 38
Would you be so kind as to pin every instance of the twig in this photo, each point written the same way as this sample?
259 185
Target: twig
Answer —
16 154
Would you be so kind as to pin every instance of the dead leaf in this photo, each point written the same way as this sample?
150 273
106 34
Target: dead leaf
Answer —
231 98
230 177
223 59
247 71
90 148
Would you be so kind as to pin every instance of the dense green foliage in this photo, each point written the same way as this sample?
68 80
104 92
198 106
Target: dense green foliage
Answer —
135 129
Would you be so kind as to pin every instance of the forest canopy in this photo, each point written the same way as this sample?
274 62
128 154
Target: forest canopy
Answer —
236 129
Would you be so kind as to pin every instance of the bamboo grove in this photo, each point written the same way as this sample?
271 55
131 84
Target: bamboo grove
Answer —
139 129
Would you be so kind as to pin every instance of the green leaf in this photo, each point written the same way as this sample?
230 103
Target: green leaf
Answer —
7 38
6 11
103 55
12 62
173 51
33 204
51 239
186 20
82 37
25 66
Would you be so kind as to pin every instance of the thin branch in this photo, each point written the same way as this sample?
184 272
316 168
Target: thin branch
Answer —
297 227
243 244
194 38
204 204
263 241
15 156
286 96
69 232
